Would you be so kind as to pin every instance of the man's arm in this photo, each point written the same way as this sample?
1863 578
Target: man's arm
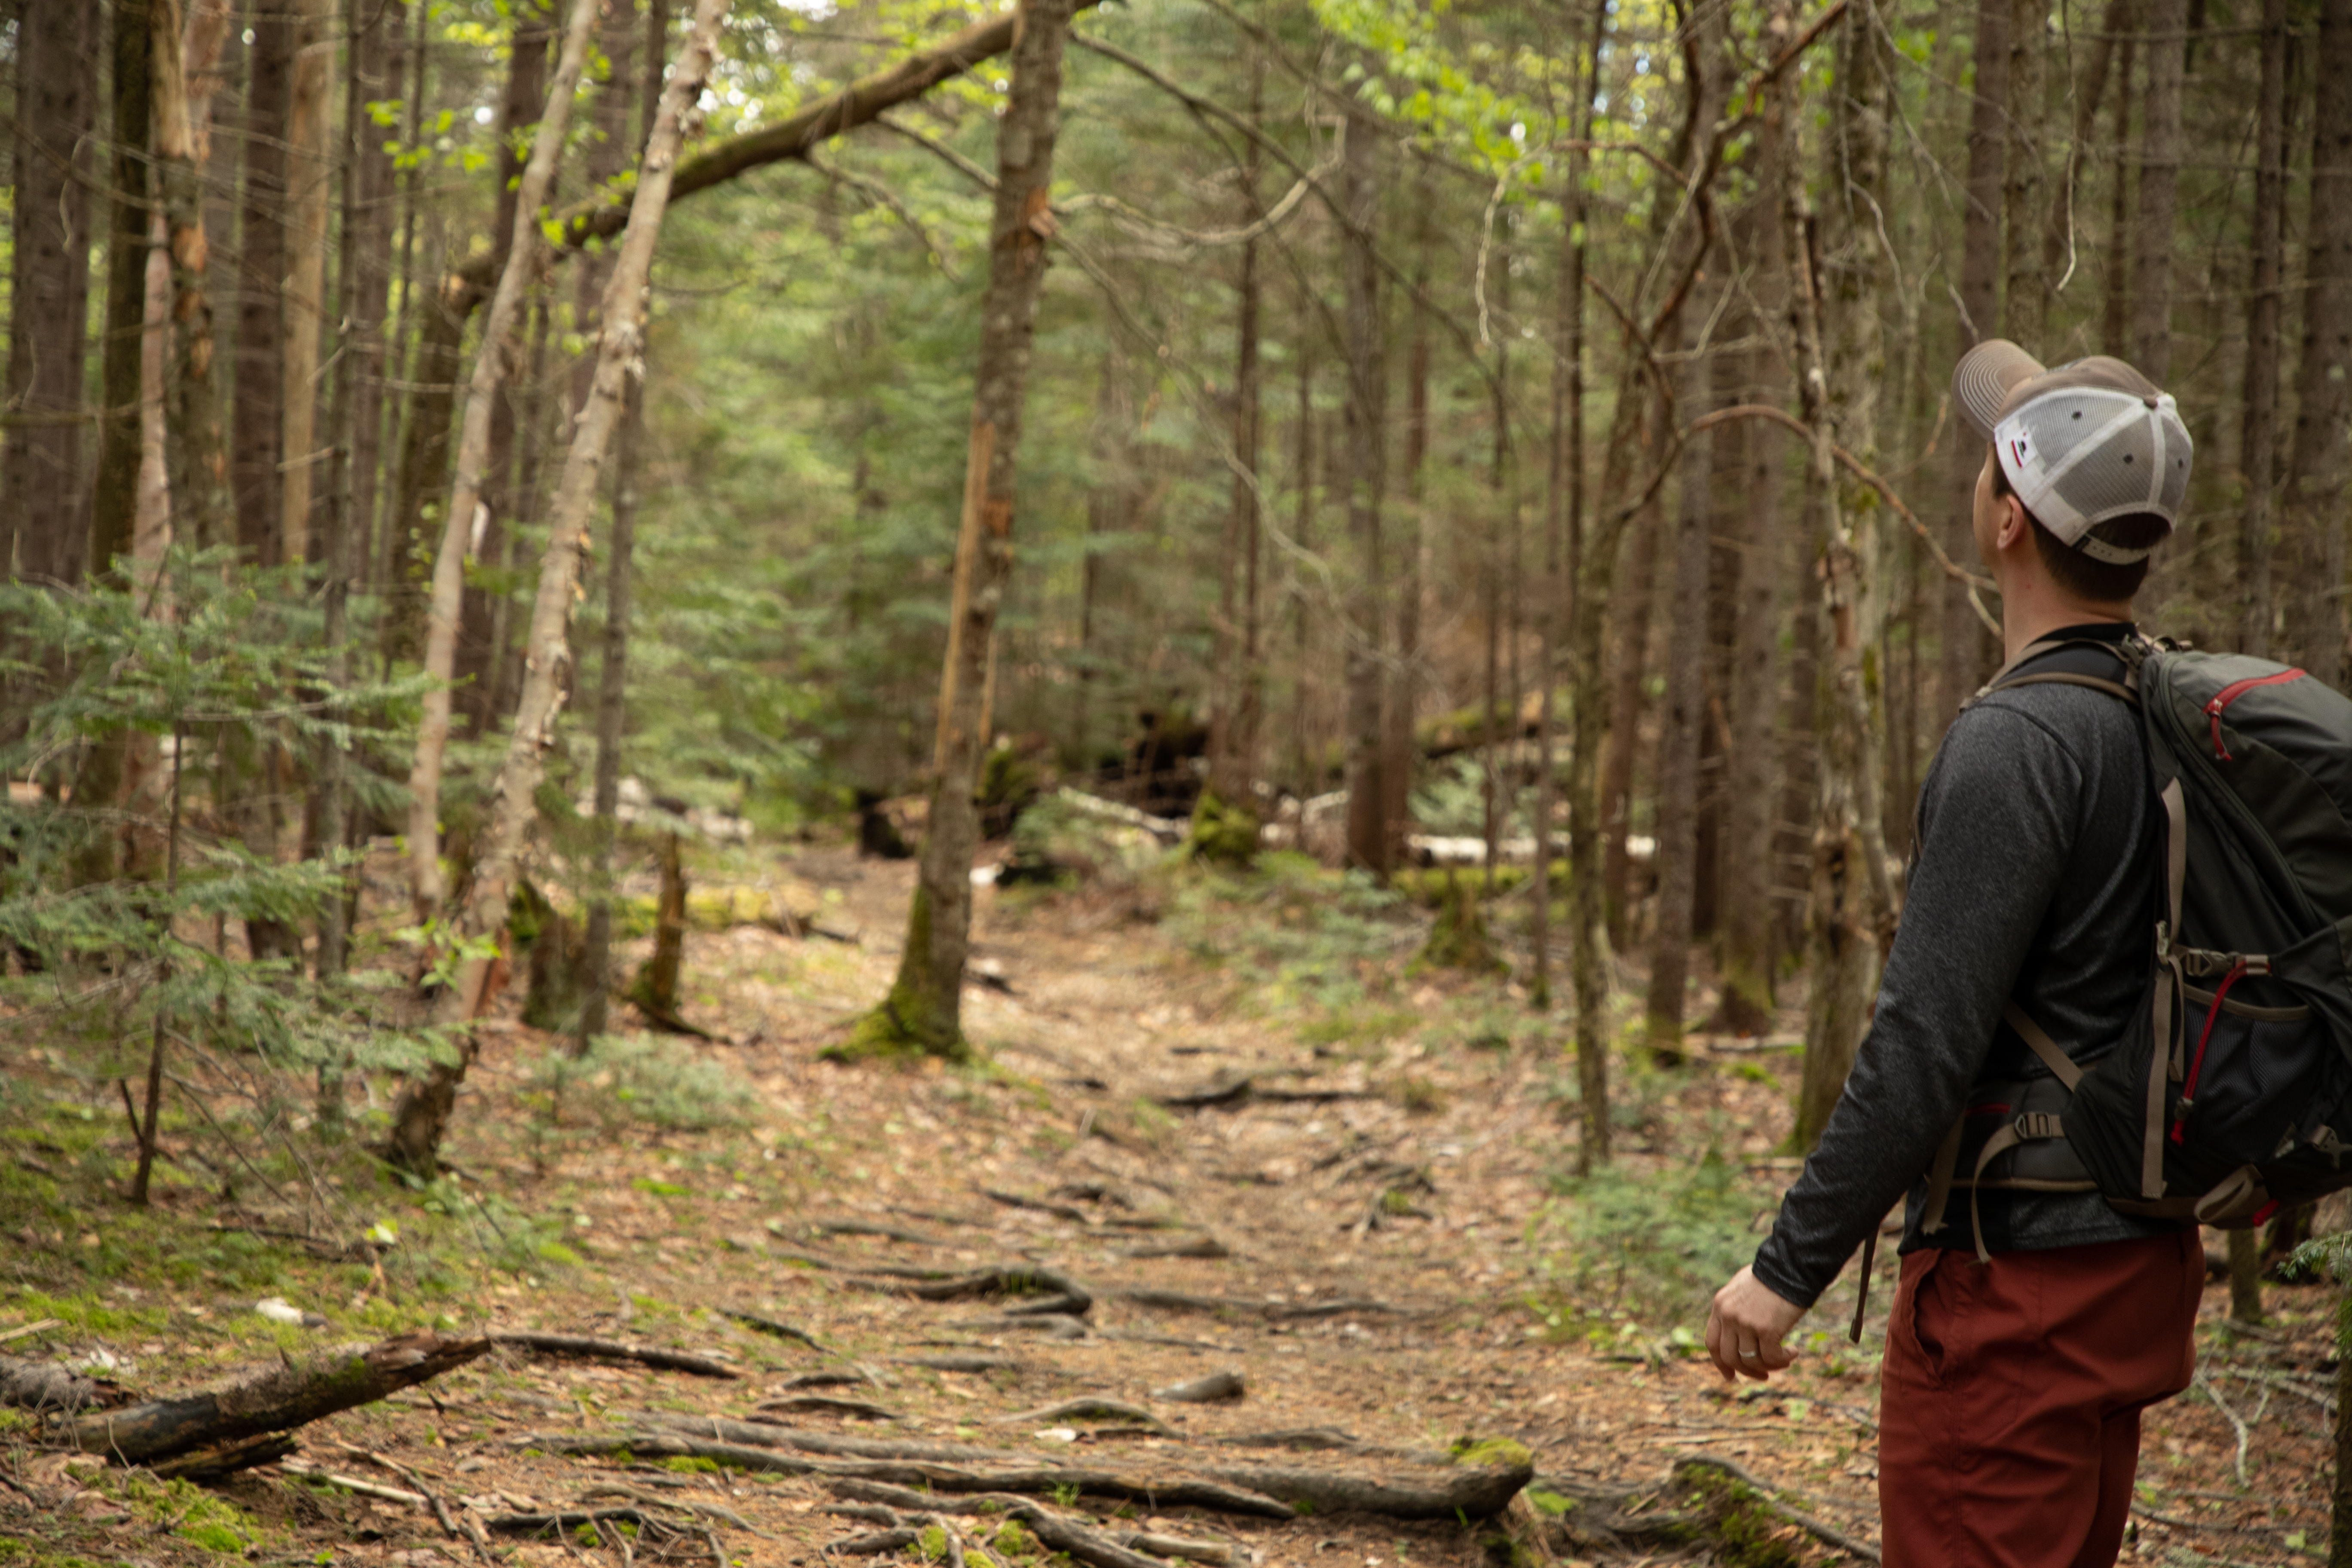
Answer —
1998 818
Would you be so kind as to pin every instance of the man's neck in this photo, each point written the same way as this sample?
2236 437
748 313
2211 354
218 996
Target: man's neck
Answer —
2029 612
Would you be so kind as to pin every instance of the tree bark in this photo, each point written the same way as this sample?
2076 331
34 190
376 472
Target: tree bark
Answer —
2026 287
1398 751
2159 187
1686 549
310 170
2114 305
196 462
612 671
2312 536
2060 251
262 254
1854 902
491 369
2258 433
42 534
422 1117
1628 700
1746 927
1967 652
1367 842
114 503
1234 712
924 1009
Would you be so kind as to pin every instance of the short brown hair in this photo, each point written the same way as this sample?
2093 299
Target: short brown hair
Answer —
2085 577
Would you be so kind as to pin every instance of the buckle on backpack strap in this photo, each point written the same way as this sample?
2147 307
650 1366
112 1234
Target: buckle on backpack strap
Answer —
2038 1125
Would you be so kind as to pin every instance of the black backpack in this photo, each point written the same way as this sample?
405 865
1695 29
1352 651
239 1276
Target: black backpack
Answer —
2230 1094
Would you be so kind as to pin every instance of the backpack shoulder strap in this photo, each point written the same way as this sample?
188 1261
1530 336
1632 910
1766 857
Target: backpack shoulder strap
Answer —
2130 654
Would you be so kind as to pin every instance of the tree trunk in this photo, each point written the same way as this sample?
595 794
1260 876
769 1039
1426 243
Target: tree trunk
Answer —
1686 549
1398 752
613 673
2060 249
1746 928
2160 186
1628 700
491 366
1365 407
1968 655
924 1011
1854 902
2115 307
422 1117
114 503
656 991
262 254
2313 536
1234 712
42 535
2258 434
310 170
197 461
2026 298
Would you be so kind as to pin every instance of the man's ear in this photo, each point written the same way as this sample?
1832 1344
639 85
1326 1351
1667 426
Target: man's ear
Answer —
2014 524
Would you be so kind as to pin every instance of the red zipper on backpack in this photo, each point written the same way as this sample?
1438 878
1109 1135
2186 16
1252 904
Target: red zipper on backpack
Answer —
2229 694
2259 966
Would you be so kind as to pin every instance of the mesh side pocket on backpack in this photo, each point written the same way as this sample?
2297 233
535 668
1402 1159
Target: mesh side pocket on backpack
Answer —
2257 1082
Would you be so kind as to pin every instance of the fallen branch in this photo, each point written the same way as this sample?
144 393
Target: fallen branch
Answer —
376 1489
218 1463
1762 1493
45 1386
613 1350
276 1399
1042 1479
472 1533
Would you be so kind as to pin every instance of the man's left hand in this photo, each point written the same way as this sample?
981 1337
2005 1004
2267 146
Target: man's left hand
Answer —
1746 1326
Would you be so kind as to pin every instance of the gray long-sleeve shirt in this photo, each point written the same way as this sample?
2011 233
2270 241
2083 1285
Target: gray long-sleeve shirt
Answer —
2035 877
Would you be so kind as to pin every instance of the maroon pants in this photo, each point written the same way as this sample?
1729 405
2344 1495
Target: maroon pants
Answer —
2009 1401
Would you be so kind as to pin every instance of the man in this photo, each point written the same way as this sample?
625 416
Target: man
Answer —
2010 1393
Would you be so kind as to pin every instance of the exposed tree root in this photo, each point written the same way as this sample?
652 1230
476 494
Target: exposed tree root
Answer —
1038 1205
965 1363
769 1326
777 1435
1041 1480
613 1350
1197 1247
1090 1408
1277 1312
1082 1542
1704 1501
862 1227
276 1399
1027 1290
1053 1325
45 1386
822 1405
1232 1088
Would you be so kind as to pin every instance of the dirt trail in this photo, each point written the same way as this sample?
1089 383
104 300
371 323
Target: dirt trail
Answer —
1353 1226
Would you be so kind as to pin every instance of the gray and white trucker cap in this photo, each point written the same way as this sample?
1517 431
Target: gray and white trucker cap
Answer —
2081 444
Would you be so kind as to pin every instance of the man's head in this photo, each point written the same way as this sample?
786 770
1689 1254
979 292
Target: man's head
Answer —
2086 473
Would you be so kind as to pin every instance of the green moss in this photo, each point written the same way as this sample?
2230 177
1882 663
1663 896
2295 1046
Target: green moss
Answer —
1484 1451
1012 1539
1459 939
690 1465
910 1021
1550 1503
1224 833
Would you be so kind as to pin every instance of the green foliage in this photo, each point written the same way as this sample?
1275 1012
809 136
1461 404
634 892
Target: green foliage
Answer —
1655 1242
1484 1451
647 1081
1223 833
1307 935
1458 939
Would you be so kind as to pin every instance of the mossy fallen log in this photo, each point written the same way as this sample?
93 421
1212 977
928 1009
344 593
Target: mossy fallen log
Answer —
272 1399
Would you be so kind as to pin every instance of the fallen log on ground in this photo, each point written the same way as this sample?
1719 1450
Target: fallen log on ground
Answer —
1407 1492
274 1399
45 1386
613 1350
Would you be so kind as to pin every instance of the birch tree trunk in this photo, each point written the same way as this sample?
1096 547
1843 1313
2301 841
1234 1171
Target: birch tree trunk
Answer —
422 1117
491 367
2314 533
924 1009
2258 433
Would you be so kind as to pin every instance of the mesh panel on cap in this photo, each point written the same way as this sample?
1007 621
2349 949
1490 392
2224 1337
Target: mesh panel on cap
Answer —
2124 470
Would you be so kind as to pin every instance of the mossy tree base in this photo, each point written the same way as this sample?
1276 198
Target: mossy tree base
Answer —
887 1033
1459 939
1224 833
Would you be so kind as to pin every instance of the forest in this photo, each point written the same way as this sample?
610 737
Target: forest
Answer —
1112 781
